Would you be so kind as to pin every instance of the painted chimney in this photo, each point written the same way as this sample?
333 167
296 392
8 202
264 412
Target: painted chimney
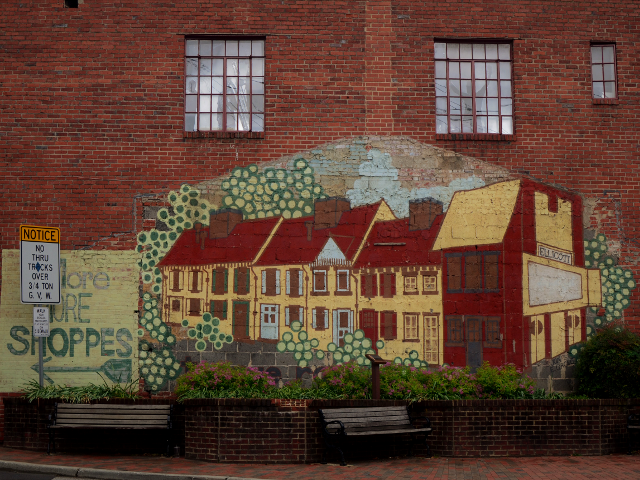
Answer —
328 212
309 226
222 222
200 234
423 212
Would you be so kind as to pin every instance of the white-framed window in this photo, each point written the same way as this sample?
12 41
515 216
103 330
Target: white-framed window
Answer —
342 280
320 318
271 281
411 326
224 84
294 282
474 90
319 280
429 284
603 70
411 284
293 314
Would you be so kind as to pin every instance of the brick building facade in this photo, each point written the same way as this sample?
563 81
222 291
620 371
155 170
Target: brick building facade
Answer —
109 107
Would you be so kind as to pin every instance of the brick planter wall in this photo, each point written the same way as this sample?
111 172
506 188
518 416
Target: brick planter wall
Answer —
25 427
229 430
288 431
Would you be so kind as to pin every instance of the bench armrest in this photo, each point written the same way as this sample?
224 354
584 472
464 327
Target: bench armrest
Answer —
327 432
426 419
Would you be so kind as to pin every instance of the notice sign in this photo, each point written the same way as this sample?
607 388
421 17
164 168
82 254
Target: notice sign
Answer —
39 265
40 322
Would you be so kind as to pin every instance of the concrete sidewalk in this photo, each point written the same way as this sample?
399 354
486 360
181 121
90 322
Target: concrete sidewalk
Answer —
161 468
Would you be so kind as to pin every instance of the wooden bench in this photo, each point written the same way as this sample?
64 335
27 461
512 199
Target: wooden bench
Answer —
339 424
633 429
105 416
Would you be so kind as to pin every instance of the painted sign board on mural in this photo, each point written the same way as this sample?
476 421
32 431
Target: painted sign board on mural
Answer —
39 265
92 331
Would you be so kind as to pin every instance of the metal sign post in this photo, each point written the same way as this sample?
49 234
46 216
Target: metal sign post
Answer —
40 330
40 278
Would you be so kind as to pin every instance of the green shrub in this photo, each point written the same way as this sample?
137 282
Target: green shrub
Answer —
503 382
33 391
608 365
223 380
347 380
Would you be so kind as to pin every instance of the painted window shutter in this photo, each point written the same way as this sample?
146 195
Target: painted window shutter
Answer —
326 318
335 326
393 284
394 326
301 316
264 281
224 310
286 315
213 281
300 282
382 279
277 282
288 283
248 280
226 280
374 285
235 280
363 285
314 324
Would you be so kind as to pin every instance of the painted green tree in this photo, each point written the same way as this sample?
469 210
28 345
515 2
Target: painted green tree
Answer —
272 192
617 284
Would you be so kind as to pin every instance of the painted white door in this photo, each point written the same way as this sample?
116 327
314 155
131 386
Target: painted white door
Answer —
269 321
342 324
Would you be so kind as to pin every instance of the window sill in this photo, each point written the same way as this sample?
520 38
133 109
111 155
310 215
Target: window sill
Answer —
320 294
605 101
411 293
429 293
343 293
250 135
411 340
475 137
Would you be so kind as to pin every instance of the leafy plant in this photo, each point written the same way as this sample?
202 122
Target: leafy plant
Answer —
85 394
608 365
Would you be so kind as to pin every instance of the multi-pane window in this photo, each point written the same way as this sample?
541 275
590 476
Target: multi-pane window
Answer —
411 326
473 88
429 284
319 280
411 284
603 71
224 85
472 272
431 340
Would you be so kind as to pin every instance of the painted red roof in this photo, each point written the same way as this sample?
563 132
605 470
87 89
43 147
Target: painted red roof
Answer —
413 247
290 246
242 245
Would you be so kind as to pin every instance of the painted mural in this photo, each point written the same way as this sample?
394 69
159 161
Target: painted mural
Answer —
93 331
373 245
419 255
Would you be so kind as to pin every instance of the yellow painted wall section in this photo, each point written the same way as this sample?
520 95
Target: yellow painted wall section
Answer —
555 306
558 330
595 287
575 326
478 217
537 338
93 332
553 229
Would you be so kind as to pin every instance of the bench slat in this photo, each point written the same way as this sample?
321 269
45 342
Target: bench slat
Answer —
115 427
370 425
131 421
106 416
103 406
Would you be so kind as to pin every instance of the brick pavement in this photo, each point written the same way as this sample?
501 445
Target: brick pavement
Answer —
511 468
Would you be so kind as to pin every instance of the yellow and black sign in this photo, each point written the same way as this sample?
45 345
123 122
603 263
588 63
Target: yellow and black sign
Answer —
30 233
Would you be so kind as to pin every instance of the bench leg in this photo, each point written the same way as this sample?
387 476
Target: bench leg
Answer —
324 453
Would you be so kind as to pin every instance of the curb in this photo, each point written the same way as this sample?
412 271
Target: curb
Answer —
101 474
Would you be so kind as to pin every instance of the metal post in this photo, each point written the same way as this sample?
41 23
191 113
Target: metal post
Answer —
375 378
40 366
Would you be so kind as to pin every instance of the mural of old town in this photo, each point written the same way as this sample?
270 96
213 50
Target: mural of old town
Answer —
371 245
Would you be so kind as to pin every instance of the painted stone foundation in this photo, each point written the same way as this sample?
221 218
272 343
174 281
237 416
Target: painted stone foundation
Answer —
288 431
